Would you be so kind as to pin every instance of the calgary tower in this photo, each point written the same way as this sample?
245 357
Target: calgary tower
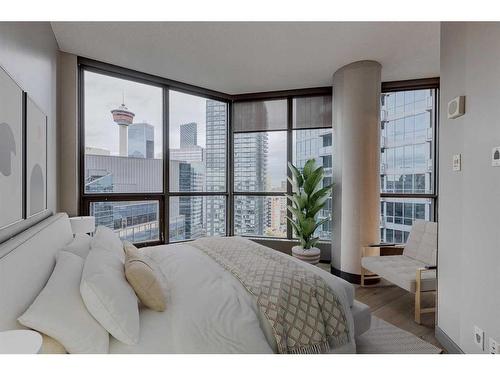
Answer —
123 118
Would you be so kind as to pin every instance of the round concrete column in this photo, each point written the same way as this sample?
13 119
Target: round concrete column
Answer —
356 162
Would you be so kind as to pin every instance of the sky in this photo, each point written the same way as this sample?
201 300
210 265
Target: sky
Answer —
104 93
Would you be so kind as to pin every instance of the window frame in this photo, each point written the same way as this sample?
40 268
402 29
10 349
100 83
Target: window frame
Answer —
163 197
413 85
289 96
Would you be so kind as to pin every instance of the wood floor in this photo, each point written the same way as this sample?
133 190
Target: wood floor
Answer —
395 306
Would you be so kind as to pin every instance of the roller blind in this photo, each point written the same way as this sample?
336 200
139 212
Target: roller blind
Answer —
312 112
260 115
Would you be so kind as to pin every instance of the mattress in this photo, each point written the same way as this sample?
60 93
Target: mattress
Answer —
209 311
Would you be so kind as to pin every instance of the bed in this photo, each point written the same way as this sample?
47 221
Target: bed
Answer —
208 309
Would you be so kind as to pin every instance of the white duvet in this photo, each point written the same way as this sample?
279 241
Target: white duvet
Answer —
208 310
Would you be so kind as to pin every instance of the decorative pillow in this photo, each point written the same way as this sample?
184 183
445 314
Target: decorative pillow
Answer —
51 346
141 274
107 239
108 296
80 245
59 311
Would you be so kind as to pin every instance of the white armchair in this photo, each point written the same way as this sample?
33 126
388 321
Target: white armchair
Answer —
415 270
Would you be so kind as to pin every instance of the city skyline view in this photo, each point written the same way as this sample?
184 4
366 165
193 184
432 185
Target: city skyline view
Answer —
406 138
198 152
123 143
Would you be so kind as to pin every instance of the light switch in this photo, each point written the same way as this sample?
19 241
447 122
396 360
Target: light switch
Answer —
495 157
457 162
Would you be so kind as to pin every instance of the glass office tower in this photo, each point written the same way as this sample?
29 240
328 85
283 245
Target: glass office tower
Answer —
407 152
216 159
250 171
141 141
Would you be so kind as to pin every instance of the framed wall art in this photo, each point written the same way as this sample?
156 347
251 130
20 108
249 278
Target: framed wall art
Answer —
36 159
11 152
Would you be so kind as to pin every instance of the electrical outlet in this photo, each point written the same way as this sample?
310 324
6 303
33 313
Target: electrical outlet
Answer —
493 346
479 337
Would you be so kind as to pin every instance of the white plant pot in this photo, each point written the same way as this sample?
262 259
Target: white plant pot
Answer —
311 255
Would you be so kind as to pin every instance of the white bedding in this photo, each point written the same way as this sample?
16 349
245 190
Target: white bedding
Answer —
208 310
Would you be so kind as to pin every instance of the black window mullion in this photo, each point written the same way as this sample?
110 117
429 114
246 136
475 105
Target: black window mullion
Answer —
229 173
435 156
166 165
289 158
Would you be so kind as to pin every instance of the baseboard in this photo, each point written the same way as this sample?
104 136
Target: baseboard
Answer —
450 346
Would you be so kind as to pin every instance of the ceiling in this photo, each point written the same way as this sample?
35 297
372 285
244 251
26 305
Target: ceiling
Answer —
241 57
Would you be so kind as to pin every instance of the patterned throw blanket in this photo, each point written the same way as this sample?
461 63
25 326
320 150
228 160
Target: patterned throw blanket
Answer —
304 313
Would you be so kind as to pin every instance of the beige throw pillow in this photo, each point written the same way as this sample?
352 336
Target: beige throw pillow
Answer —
51 346
141 275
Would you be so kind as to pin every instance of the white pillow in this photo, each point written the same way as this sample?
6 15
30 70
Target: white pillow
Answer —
80 245
108 296
59 311
105 238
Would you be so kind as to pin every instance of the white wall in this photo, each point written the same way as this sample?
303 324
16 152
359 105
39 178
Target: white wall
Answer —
469 201
28 52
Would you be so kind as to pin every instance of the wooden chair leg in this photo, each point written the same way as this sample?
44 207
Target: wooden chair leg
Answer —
417 308
418 296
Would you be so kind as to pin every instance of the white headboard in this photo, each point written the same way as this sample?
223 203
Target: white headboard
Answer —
26 263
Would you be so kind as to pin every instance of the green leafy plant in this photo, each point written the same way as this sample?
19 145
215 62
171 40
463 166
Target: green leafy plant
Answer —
307 201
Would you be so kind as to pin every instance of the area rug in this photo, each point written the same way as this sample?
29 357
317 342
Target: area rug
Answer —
384 338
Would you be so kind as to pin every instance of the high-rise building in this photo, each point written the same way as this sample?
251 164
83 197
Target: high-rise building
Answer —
250 172
187 177
277 215
406 160
188 134
216 158
188 154
187 174
141 140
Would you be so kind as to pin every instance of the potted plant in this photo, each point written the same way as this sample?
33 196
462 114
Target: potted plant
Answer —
306 202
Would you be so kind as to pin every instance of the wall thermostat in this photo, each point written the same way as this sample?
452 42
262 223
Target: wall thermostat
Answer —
456 107
495 157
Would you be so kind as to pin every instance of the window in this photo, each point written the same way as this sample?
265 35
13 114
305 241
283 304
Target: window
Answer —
197 166
155 157
130 184
123 155
197 143
265 139
407 161
123 135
